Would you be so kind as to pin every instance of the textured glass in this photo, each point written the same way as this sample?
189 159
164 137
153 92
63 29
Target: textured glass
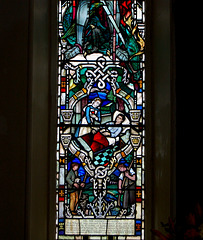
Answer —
101 116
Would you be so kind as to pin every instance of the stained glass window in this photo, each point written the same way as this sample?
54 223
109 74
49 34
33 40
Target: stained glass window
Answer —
101 117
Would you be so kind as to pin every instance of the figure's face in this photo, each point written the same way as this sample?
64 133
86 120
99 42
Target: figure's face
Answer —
75 168
122 168
119 119
96 103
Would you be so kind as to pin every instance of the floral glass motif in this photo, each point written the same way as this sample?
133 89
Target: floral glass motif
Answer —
101 118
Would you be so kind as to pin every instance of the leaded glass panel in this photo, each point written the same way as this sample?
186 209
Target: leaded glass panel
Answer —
101 118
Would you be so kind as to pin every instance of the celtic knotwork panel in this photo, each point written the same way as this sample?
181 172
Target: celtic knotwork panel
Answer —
101 117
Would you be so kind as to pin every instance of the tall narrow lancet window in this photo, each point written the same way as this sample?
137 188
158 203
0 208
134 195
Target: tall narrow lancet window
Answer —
101 119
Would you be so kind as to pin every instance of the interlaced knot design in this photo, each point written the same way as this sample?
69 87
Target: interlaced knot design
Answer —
101 171
101 74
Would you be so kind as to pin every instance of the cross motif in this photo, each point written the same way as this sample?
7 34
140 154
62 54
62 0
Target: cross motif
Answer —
61 193
138 193
138 226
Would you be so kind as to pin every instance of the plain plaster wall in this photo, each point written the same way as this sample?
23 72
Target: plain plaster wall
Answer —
14 20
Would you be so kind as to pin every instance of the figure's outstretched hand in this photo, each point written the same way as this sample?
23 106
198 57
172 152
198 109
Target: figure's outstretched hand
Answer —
106 133
82 185
94 116
94 131
76 185
127 174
